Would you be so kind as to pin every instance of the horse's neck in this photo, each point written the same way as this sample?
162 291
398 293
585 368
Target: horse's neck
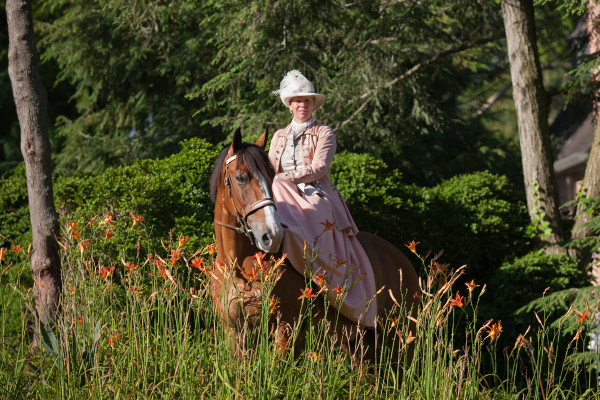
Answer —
231 245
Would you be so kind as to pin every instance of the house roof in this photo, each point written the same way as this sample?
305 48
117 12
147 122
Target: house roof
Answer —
576 147
573 130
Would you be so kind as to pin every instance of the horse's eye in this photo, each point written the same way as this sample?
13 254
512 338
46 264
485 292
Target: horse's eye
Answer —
241 179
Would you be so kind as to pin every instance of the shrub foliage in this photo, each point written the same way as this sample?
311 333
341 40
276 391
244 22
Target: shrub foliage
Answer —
171 195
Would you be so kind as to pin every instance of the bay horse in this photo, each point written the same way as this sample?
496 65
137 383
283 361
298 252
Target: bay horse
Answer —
246 222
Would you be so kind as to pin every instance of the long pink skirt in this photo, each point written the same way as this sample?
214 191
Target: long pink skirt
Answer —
333 257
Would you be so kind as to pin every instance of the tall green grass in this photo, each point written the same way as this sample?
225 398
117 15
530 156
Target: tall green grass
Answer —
143 326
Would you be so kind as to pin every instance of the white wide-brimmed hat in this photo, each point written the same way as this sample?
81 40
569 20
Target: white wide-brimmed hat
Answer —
294 84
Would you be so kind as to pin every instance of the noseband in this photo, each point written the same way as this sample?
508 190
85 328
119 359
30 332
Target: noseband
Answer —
242 217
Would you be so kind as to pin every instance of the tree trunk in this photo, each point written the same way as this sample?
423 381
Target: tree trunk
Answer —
31 103
532 117
591 178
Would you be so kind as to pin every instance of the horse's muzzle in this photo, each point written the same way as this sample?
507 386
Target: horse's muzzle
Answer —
271 240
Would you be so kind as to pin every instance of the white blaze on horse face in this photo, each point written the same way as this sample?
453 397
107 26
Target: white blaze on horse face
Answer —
268 232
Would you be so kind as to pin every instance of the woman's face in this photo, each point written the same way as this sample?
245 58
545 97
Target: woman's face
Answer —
302 108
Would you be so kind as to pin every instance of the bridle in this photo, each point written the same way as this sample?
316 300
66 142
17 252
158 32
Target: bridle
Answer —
242 217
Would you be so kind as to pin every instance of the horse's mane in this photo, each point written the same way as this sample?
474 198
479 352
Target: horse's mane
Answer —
254 157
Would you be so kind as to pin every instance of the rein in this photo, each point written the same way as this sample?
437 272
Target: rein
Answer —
242 217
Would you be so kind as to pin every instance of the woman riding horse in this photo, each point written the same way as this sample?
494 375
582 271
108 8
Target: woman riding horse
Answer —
312 210
355 265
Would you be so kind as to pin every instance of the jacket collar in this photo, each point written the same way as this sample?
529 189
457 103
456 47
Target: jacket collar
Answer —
311 130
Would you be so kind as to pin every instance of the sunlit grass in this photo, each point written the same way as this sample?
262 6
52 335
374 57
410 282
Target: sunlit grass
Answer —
140 324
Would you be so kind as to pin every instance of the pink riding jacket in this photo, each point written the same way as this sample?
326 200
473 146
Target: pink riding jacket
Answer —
318 150
305 216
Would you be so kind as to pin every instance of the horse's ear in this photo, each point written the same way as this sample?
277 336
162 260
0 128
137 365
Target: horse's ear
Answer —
262 141
237 141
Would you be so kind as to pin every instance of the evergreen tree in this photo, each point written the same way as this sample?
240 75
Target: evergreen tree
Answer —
131 66
393 73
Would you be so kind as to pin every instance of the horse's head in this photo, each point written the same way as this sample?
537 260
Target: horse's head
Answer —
241 187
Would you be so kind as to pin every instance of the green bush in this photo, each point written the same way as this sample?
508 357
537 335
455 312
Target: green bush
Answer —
14 210
475 218
15 228
365 184
171 195
525 279
479 220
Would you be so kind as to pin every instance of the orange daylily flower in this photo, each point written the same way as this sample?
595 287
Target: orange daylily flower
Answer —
136 219
306 293
412 246
130 267
175 256
438 268
581 317
106 271
321 279
252 275
327 224
108 233
269 272
182 240
273 305
72 229
339 291
15 249
75 234
2 254
495 330
258 259
457 301
165 273
83 245
108 219
338 262
211 248
159 262
471 286
197 262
